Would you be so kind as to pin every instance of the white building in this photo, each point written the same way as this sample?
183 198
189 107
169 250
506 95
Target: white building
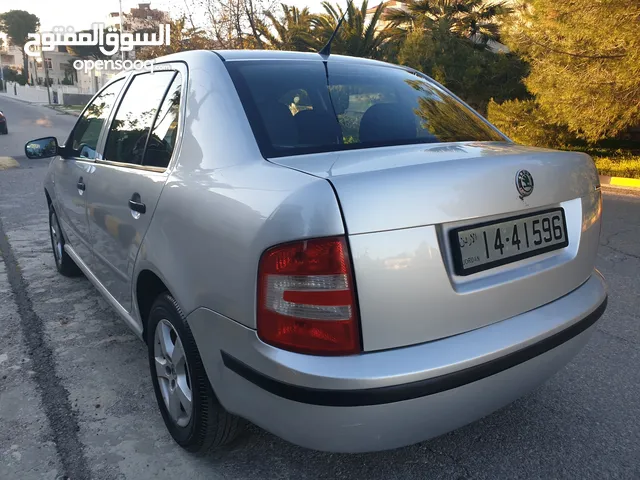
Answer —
59 67
10 56
57 62
94 80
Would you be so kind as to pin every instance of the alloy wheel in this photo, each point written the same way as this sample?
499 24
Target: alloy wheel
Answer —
172 371
56 238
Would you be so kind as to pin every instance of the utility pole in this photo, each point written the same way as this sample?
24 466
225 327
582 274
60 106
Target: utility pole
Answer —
2 86
121 28
46 73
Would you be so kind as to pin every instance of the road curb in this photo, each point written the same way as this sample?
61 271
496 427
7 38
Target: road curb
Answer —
64 111
620 181
53 106
13 97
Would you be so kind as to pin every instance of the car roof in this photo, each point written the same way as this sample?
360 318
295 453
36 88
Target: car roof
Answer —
232 55
253 55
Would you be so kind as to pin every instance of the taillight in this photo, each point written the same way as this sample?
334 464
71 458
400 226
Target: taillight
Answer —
306 300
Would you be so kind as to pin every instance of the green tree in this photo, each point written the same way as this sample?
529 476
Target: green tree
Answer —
449 39
477 20
18 24
11 75
358 36
585 62
292 31
474 74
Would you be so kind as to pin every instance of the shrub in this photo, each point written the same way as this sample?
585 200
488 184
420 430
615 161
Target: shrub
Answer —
525 122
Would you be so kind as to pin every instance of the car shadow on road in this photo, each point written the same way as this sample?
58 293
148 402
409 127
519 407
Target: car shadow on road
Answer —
468 452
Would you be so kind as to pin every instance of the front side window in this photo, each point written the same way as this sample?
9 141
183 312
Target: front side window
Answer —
84 138
130 128
298 107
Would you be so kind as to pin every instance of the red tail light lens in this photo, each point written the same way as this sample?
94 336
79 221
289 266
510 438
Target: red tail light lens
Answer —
306 300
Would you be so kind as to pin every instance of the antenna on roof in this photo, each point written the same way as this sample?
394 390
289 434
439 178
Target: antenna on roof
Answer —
326 50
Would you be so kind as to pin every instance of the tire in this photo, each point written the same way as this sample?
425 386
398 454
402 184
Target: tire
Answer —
64 264
4 130
205 424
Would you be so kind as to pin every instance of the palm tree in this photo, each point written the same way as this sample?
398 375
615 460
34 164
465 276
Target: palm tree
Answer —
291 32
358 36
476 20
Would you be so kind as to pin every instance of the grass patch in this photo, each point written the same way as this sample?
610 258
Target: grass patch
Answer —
625 165
614 158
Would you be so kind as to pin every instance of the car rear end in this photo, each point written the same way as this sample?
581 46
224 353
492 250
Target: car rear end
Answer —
464 278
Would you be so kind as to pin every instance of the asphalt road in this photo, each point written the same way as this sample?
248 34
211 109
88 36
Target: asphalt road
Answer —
76 399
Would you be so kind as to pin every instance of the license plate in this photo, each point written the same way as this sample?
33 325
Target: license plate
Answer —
491 244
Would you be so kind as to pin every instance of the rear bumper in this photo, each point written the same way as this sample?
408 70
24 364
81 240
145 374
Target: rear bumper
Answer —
389 399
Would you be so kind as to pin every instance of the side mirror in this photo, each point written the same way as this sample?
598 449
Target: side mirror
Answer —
42 148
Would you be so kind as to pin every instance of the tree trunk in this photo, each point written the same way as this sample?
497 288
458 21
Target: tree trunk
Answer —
25 65
252 21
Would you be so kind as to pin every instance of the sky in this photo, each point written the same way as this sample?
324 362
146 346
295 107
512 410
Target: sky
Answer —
78 14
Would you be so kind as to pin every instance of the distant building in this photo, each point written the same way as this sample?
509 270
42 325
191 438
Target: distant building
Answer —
10 56
382 23
137 19
58 64
142 18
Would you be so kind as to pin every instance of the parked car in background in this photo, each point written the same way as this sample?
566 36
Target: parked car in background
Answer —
336 249
4 129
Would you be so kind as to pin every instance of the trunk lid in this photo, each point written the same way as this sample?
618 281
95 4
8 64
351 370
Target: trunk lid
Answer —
400 205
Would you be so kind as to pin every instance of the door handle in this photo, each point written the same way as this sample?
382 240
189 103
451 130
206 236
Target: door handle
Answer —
81 185
136 205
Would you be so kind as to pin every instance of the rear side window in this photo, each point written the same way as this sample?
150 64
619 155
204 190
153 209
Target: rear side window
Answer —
165 129
304 107
136 114
84 138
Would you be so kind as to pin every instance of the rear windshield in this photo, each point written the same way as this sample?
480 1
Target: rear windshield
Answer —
299 107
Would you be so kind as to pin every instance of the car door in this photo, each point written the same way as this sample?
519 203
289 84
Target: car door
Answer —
73 169
128 179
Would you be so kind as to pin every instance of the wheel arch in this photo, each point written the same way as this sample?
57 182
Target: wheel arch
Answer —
148 287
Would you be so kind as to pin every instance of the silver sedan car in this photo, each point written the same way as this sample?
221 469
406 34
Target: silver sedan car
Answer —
338 250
